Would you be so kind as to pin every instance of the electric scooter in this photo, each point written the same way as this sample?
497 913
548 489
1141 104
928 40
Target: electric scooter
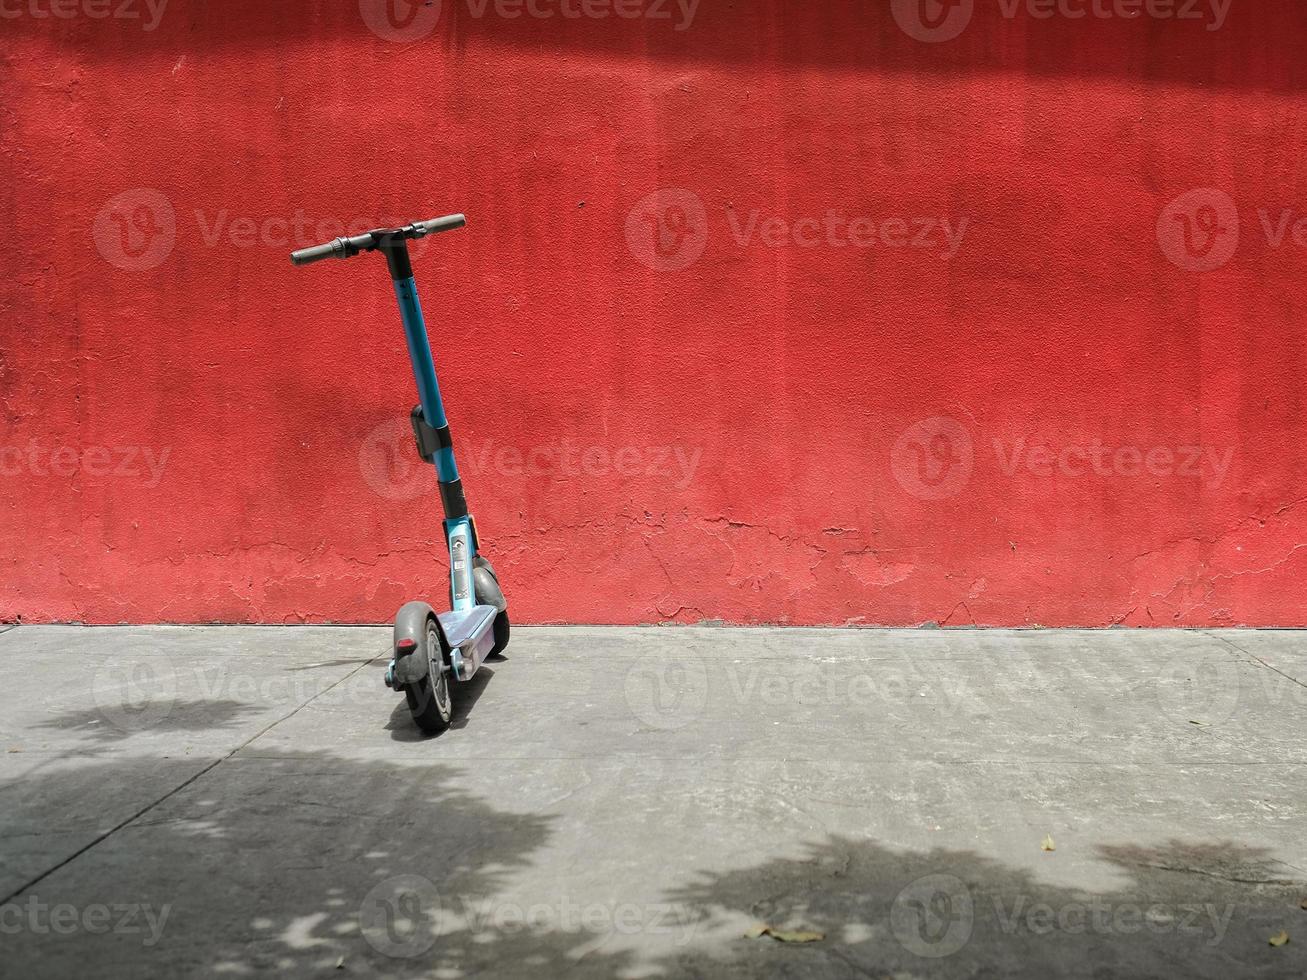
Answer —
433 651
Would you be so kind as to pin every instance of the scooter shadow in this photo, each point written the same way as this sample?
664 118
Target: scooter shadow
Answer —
402 728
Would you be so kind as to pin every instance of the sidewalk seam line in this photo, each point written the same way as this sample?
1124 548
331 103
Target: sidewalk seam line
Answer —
1249 653
185 783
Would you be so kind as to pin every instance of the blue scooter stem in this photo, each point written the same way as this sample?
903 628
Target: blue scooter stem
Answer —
424 371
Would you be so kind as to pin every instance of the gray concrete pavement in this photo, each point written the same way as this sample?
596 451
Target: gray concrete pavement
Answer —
628 802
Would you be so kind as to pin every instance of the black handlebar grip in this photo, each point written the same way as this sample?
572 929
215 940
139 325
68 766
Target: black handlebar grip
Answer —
448 223
317 253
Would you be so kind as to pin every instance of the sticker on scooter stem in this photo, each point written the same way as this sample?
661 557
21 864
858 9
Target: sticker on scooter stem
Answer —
458 561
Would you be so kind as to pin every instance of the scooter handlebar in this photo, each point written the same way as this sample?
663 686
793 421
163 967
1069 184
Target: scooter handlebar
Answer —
449 222
316 253
343 248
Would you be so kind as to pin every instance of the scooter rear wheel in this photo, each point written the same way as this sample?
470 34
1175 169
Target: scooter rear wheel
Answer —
491 594
430 700
501 632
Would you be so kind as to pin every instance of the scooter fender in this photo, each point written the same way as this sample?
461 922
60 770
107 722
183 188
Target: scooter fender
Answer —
411 624
487 588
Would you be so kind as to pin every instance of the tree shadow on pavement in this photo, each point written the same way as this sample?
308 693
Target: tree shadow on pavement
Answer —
300 863
1187 910
122 721
311 864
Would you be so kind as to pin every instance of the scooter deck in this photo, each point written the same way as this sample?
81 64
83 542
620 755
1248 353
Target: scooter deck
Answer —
471 636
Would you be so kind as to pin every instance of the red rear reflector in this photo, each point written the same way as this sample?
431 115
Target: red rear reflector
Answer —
405 646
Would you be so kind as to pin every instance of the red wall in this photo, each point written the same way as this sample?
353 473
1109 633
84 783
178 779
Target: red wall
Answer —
798 420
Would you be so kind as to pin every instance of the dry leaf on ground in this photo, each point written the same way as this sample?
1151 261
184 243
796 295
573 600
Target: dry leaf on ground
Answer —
785 935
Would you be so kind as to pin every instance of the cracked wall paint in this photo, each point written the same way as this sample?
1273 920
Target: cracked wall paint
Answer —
729 439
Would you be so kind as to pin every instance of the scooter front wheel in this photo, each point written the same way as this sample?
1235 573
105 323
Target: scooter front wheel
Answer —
430 700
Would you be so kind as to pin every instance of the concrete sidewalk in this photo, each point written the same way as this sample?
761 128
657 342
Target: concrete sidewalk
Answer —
628 802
